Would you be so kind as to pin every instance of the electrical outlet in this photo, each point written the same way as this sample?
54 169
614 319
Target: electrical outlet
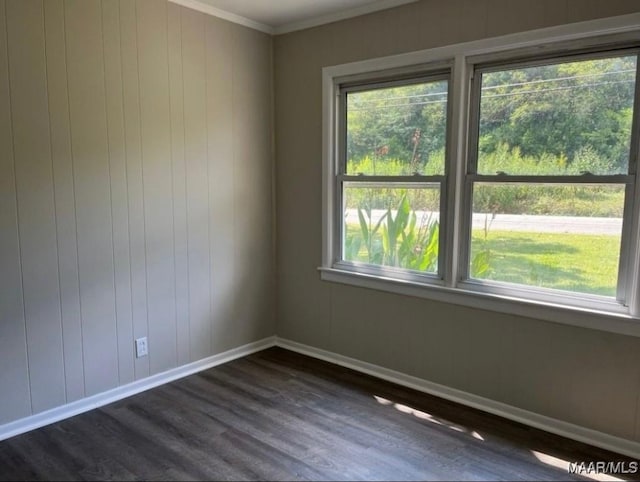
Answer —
142 349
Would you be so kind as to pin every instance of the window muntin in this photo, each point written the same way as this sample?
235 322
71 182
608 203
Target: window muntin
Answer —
551 144
391 180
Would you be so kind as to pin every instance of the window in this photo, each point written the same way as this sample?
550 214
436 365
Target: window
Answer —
504 180
549 176
392 174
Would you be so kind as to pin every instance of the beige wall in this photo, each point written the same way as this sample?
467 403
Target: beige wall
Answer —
582 376
135 194
135 199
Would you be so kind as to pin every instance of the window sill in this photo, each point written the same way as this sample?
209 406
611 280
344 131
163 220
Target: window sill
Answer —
619 323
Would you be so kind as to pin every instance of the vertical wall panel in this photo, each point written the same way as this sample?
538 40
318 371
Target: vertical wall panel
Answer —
176 95
252 183
93 196
195 122
129 47
15 399
139 200
224 290
156 161
119 195
36 214
65 198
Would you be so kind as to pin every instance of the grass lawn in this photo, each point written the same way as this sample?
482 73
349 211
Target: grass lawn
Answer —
585 263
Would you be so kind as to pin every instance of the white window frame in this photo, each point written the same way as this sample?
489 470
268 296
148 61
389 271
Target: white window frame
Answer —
624 279
437 72
452 286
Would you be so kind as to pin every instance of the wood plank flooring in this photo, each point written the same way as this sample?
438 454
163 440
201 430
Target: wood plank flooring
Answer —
278 415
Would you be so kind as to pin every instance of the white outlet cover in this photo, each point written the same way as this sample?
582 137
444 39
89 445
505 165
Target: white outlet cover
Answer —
142 348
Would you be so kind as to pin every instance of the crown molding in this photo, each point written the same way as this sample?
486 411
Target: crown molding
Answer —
334 17
223 14
292 26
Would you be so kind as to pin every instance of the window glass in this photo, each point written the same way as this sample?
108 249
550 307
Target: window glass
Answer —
392 226
564 237
397 130
558 119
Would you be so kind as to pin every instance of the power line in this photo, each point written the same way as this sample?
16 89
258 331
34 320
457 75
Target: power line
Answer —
571 87
493 87
507 94
384 99
379 107
582 76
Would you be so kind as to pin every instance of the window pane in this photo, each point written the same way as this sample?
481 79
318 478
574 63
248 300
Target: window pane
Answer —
397 130
564 118
564 237
392 226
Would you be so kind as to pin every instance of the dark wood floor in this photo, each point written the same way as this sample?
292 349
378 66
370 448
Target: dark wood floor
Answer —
277 415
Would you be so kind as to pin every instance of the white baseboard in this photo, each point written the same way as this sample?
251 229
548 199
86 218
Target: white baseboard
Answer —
71 409
558 427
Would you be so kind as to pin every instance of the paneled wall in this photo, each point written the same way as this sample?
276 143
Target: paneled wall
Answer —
587 377
135 194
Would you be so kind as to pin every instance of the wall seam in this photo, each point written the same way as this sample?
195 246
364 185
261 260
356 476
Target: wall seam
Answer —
126 174
274 201
234 172
55 204
113 246
186 190
126 180
15 183
75 203
144 211
173 221
173 204
206 123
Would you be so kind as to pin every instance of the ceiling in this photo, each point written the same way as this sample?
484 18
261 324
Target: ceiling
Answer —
281 16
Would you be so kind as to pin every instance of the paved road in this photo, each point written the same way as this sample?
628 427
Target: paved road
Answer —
524 222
